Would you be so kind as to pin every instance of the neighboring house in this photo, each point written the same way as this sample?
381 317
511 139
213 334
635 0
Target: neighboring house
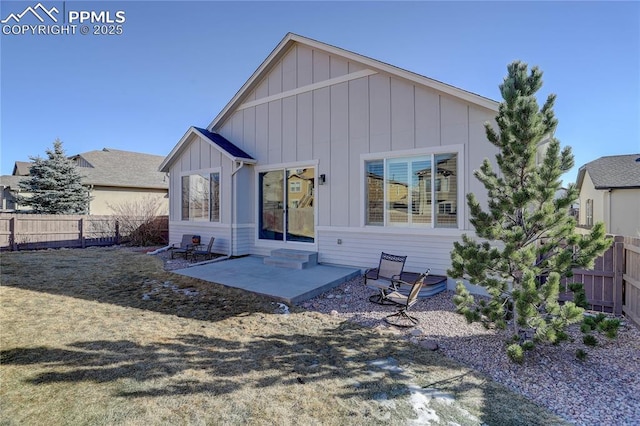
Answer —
610 193
574 209
112 177
385 157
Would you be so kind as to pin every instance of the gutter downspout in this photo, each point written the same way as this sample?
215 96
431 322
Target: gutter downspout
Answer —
608 222
89 189
233 206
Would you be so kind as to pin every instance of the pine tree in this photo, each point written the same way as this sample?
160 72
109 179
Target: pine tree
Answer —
54 185
528 239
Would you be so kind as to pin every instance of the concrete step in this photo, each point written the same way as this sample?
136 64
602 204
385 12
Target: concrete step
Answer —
283 262
293 259
309 256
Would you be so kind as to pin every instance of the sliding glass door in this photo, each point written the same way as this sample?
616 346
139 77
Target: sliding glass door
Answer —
287 205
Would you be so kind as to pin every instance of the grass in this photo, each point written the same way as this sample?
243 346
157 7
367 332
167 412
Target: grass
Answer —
105 336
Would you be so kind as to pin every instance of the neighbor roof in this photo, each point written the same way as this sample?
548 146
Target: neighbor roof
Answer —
217 141
110 167
21 168
612 172
290 39
10 181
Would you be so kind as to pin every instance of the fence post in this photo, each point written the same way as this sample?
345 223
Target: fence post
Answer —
81 229
12 235
618 272
117 232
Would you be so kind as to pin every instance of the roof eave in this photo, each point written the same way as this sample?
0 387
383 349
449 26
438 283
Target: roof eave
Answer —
609 187
275 54
168 161
580 178
112 185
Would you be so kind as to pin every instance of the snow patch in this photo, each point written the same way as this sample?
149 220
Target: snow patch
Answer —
156 287
283 309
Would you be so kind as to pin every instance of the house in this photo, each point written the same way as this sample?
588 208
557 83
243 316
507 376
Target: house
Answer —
382 157
112 177
610 192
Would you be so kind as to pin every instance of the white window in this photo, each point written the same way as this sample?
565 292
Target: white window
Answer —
588 208
294 186
201 197
420 190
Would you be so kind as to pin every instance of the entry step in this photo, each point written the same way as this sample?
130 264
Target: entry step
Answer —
293 259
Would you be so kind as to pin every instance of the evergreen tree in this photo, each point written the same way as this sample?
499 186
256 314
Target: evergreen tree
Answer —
528 237
54 185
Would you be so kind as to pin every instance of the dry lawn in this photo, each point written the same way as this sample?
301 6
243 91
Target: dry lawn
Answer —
106 336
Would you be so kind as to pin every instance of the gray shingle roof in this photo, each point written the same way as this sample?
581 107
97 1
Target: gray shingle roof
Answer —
10 181
21 168
615 171
112 167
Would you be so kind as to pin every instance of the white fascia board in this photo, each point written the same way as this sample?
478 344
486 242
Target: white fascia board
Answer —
408 75
166 163
164 166
278 51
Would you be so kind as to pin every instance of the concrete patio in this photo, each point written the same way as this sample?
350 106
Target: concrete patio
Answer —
289 285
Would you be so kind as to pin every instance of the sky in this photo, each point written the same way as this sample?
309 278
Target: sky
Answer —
176 64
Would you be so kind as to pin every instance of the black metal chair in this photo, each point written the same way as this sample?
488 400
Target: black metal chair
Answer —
188 243
402 317
380 278
207 254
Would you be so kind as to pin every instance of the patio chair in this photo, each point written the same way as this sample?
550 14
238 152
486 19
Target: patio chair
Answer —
207 254
380 278
188 243
402 318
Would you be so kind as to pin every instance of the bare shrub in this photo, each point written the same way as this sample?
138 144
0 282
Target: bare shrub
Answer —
140 223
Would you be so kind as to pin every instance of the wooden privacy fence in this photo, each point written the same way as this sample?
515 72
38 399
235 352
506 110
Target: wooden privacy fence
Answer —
38 231
613 285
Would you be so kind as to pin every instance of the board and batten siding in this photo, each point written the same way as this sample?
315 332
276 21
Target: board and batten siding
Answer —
330 111
201 155
335 125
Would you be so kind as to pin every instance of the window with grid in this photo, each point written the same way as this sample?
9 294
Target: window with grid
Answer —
589 212
419 190
201 197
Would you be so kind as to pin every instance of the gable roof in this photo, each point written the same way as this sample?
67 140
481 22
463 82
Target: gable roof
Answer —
113 168
21 168
290 39
217 141
612 172
224 144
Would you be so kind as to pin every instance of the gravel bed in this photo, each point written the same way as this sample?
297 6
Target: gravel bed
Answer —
604 389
